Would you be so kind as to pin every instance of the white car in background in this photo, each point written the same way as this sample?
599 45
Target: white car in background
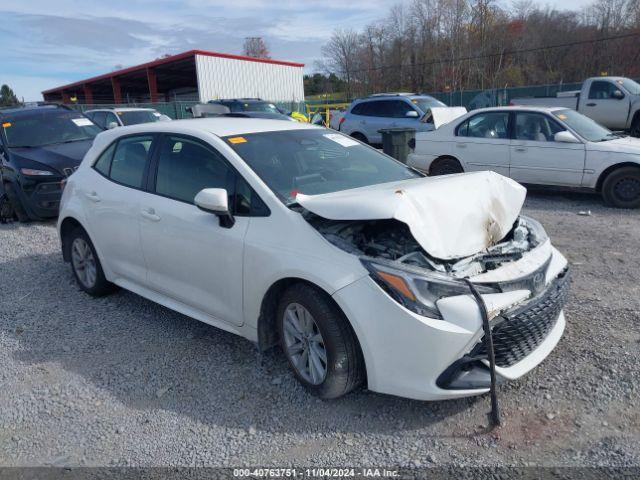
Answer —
536 145
108 118
291 234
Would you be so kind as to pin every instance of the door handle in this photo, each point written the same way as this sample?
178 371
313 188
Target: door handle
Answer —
93 196
591 104
461 145
520 149
150 214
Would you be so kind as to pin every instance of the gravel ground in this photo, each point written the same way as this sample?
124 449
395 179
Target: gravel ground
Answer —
122 381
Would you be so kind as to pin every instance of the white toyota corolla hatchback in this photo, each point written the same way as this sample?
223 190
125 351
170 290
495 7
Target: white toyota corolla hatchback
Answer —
296 235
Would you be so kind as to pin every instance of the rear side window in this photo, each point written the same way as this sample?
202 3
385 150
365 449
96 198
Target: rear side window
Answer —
130 160
186 166
485 125
379 108
103 164
359 109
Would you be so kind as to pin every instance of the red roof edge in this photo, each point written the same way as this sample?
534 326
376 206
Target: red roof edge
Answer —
172 58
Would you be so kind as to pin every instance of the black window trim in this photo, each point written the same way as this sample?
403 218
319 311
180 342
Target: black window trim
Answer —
145 174
151 178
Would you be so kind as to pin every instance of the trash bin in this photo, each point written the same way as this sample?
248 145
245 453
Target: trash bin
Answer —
395 142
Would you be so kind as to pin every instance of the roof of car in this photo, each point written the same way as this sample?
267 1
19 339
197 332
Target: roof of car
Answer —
220 126
121 109
26 109
534 108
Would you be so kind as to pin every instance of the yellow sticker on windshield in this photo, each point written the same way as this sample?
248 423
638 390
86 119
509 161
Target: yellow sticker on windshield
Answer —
6 125
235 140
562 117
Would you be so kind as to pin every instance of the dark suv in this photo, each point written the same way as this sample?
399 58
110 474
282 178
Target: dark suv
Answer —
40 146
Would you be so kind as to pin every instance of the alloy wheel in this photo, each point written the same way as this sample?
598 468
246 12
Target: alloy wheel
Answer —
84 263
304 344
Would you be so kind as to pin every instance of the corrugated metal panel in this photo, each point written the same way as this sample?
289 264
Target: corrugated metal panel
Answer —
230 78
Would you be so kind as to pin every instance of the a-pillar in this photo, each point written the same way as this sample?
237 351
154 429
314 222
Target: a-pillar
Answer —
117 92
153 85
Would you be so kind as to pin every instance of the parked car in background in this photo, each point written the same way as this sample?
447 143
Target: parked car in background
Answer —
209 110
291 234
536 145
611 101
107 118
40 146
365 117
253 108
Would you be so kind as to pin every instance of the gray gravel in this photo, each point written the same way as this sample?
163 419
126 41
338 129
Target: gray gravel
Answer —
122 381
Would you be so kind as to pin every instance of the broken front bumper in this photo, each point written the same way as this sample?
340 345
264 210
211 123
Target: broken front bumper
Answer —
520 337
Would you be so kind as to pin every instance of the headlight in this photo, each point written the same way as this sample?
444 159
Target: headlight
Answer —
35 173
416 290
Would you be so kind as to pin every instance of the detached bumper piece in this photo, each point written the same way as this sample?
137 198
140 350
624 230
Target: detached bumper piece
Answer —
515 334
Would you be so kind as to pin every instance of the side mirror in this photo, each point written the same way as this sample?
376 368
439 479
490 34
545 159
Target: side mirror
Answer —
412 114
216 201
112 125
565 137
617 94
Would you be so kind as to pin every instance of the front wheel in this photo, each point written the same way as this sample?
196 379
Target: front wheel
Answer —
621 188
320 345
86 265
16 205
635 127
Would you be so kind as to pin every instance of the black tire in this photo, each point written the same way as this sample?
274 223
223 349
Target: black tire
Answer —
101 286
621 188
18 209
445 166
344 363
635 127
360 137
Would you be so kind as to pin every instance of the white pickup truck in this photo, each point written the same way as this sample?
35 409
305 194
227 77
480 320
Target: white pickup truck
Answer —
611 101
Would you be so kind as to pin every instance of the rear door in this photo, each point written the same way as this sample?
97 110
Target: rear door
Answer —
482 142
603 107
537 158
111 201
190 256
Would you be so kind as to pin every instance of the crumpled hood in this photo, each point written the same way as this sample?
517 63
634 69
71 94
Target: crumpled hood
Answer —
619 145
450 217
58 156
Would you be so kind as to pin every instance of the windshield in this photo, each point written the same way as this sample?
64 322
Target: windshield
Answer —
135 117
253 107
426 103
315 161
47 127
584 126
630 86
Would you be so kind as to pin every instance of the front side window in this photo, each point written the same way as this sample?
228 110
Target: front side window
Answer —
536 127
186 166
601 90
130 160
99 118
110 118
399 109
315 161
486 125
47 127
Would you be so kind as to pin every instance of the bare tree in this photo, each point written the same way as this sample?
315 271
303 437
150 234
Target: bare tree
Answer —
255 47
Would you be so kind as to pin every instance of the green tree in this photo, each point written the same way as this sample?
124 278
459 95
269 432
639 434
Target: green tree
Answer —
7 97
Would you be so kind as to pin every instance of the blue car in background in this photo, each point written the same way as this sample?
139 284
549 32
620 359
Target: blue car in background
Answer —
365 117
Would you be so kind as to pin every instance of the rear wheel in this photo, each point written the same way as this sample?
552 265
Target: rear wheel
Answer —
86 265
319 343
445 166
14 200
621 188
360 137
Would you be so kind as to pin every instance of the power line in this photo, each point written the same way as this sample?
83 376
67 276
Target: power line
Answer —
499 54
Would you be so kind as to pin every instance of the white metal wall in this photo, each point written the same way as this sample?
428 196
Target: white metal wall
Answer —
229 78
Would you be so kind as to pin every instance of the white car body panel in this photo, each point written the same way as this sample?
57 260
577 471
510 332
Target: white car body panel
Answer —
534 162
445 229
190 265
443 115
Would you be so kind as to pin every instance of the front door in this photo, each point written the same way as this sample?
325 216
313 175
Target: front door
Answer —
190 256
538 159
604 107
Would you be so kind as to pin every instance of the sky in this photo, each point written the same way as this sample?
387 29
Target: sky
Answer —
48 43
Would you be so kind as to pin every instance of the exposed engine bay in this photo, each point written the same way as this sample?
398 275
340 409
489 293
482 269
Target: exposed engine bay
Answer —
392 240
